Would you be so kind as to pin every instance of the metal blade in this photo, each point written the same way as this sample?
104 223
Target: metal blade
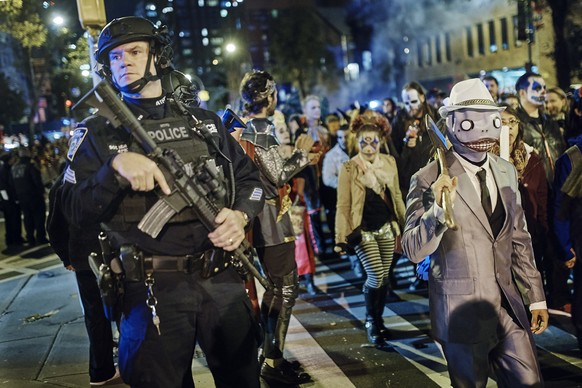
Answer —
436 136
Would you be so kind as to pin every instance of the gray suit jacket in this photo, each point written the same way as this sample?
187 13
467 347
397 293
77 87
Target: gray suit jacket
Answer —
470 268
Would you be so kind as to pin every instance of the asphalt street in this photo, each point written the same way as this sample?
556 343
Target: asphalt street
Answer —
43 340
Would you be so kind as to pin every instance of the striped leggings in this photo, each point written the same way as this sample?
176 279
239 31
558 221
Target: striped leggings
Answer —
376 252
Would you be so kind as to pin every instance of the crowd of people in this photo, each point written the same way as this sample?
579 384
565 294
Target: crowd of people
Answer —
26 173
362 185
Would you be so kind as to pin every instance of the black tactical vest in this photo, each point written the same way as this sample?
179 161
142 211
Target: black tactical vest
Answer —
168 133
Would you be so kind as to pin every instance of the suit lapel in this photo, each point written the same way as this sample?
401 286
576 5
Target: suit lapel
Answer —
466 191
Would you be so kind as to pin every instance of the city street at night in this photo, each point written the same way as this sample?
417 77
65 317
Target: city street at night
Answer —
44 343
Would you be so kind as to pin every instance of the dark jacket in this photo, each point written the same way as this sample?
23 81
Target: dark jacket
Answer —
27 181
568 218
544 135
411 159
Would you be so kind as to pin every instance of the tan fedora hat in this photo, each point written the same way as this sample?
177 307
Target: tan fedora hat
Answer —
469 94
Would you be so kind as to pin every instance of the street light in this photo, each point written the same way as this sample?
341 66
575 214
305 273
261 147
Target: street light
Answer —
58 20
230 48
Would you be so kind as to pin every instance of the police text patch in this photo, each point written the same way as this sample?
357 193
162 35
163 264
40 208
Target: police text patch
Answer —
167 132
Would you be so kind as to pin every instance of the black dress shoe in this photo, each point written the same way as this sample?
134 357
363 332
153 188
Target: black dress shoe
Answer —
284 373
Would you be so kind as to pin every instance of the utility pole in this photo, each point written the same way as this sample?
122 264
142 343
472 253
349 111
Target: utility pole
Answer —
525 29
93 19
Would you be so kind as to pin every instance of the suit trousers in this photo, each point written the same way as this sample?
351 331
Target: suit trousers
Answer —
214 312
511 357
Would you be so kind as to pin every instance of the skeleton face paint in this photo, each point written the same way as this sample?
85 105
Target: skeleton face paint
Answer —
536 91
412 102
474 132
369 143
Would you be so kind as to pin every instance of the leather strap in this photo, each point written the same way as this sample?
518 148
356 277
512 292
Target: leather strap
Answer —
186 264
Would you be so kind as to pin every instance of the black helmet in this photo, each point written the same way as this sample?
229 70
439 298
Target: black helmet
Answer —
130 29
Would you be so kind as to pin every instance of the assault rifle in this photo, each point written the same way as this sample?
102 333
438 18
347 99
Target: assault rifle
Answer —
196 191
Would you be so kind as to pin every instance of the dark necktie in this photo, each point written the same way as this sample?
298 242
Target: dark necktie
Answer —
485 195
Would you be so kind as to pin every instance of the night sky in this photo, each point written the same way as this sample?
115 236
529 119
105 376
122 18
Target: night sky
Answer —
117 8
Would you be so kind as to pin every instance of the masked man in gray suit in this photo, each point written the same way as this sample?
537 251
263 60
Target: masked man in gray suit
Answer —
483 273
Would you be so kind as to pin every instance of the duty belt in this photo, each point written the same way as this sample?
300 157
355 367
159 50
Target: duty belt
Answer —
186 264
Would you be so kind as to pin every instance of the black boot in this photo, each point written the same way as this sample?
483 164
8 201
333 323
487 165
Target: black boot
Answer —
318 235
310 285
381 303
371 296
281 370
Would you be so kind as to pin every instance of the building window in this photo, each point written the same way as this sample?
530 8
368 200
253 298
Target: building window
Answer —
428 48
448 55
480 39
516 40
492 37
469 32
504 34
437 44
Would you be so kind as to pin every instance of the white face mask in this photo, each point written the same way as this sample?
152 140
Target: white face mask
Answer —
412 101
474 132
536 91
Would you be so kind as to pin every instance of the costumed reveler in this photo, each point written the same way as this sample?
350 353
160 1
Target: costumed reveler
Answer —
273 235
483 270
370 212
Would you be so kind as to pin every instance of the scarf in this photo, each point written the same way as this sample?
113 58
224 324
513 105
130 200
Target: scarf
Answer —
374 175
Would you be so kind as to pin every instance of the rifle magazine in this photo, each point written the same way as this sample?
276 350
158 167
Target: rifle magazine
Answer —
155 219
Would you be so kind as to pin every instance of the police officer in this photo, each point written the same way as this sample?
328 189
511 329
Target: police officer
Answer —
109 179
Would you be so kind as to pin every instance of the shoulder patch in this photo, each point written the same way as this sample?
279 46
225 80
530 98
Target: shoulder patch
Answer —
75 143
211 127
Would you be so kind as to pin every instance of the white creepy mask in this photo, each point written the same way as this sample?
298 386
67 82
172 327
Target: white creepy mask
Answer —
473 132
412 101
